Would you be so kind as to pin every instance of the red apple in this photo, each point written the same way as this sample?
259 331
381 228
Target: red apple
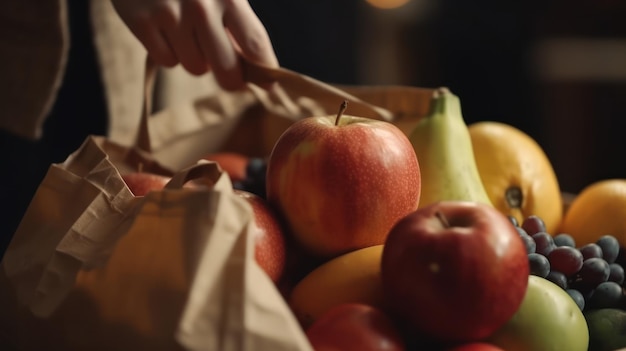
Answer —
455 270
354 327
270 251
475 346
141 183
233 163
342 181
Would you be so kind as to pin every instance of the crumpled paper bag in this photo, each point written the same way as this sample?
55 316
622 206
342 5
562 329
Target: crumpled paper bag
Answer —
91 267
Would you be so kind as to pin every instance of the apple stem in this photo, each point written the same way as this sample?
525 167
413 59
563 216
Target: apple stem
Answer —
342 108
140 167
442 219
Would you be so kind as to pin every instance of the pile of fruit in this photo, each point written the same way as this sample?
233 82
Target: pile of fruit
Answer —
451 237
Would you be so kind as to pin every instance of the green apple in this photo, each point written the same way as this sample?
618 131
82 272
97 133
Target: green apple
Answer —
547 320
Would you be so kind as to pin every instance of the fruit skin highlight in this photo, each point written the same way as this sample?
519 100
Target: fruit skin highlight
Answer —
442 143
516 173
341 182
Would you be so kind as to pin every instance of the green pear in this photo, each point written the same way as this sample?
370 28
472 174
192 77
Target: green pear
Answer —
443 146
547 320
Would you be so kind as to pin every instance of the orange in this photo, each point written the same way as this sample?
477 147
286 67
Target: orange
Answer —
516 173
599 209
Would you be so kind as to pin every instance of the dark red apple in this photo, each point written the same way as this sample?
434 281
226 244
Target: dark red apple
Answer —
355 327
454 270
141 183
270 250
475 346
341 182
233 163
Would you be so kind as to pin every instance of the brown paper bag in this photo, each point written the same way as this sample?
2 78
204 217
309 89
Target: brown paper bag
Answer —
251 121
92 267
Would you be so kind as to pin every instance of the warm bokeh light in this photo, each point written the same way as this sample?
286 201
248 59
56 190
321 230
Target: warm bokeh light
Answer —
387 4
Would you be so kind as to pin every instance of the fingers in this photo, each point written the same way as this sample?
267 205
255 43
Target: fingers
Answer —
215 43
226 33
250 34
182 39
158 48
141 23
201 35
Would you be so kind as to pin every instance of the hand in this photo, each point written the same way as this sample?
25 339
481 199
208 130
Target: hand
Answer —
201 35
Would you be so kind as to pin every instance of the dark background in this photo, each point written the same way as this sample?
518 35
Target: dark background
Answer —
488 53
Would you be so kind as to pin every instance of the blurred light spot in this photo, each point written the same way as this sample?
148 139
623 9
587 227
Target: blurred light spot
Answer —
387 4
581 59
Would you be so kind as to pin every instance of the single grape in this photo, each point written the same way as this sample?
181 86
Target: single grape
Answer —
521 231
594 271
544 243
539 265
578 297
564 239
610 247
529 243
616 274
513 220
605 295
533 224
566 260
256 167
558 278
255 180
590 251
584 288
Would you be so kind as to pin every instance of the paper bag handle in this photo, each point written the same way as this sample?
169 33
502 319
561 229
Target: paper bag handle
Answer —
142 140
279 89
207 170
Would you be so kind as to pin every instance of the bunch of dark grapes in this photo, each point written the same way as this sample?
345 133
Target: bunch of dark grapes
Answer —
590 274
254 182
